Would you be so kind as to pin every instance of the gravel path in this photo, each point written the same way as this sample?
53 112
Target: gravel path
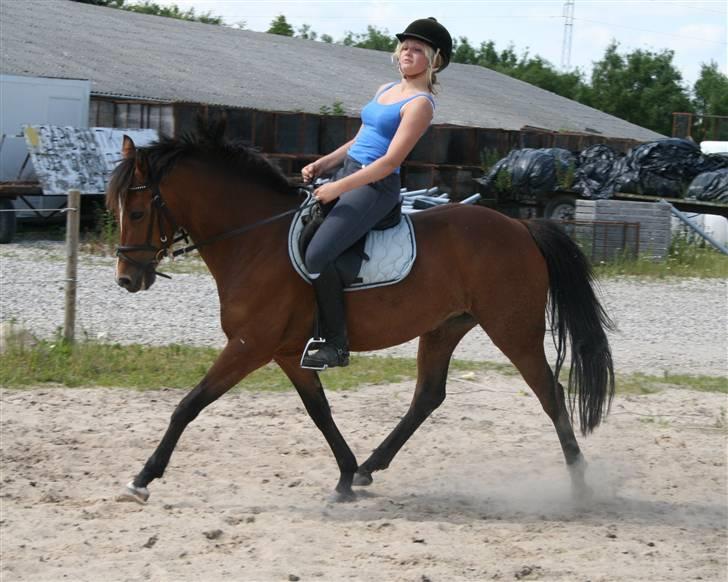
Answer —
678 325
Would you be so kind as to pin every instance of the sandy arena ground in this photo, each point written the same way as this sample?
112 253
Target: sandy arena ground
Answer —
479 493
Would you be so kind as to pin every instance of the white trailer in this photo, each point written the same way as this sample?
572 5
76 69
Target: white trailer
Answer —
33 101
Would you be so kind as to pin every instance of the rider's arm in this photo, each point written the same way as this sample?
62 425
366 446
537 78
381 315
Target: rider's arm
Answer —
328 162
336 158
416 118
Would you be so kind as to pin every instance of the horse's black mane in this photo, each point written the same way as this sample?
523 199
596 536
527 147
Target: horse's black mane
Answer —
208 146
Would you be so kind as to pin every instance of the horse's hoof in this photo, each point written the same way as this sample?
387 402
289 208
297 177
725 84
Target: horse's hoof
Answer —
362 479
133 493
582 495
345 496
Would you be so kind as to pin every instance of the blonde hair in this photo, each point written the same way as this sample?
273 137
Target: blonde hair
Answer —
434 62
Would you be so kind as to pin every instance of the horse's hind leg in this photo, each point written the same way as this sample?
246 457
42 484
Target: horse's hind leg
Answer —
309 388
534 368
433 359
233 363
574 459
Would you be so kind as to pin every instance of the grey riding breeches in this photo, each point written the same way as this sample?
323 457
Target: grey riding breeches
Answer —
353 215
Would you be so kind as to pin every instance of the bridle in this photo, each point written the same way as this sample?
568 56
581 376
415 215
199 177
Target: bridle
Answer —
161 212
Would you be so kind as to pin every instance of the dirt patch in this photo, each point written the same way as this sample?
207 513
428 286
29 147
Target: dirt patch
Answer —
479 493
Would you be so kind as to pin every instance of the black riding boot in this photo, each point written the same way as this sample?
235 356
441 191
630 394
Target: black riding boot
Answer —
331 349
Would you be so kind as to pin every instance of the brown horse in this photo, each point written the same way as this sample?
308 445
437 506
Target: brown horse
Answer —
474 266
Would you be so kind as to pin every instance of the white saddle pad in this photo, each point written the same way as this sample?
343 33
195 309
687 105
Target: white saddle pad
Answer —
391 253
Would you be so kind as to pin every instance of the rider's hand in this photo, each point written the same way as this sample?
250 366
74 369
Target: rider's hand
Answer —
328 192
309 172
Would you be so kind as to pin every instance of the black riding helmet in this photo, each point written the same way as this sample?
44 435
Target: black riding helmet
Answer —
433 33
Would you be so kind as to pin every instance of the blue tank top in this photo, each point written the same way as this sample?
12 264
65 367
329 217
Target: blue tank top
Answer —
379 124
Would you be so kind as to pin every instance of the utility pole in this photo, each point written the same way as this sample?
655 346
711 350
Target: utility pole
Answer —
568 30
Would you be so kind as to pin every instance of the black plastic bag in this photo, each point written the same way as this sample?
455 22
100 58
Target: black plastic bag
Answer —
532 172
659 168
594 169
713 162
710 186
662 168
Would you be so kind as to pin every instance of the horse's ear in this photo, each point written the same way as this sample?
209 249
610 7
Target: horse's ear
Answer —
128 150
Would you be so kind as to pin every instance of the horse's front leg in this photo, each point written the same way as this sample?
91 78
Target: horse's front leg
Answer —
234 363
309 388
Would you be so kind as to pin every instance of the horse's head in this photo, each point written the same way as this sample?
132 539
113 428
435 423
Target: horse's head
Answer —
146 228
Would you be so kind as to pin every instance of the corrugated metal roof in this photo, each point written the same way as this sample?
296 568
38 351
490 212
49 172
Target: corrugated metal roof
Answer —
135 55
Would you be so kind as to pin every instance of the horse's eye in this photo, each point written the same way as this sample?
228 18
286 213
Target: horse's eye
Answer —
136 214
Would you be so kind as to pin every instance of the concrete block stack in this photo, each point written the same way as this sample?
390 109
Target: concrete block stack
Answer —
611 228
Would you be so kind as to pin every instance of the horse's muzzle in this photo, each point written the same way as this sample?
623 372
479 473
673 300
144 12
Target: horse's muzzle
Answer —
139 283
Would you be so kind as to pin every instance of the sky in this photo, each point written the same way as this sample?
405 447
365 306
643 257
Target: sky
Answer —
695 30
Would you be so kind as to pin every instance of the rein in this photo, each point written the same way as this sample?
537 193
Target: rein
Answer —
163 213
238 231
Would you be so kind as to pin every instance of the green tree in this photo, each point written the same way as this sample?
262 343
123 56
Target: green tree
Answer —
148 7
539 72
306 32
463 52
109 3
711 91
643 87
280 26
710 97
504 61
534 70
374 38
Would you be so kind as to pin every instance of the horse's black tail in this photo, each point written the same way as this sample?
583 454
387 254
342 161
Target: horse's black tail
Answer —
577 319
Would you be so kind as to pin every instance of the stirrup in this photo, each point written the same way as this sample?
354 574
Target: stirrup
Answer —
317 344
314 343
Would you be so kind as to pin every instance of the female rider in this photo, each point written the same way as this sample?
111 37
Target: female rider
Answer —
367 187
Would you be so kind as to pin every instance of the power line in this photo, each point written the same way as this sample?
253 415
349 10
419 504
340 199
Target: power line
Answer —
450 17
568 23
652 31
530 17
692 7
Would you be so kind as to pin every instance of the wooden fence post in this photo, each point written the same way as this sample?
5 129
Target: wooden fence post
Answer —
73 222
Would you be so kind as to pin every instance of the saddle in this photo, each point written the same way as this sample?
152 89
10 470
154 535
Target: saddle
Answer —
383 256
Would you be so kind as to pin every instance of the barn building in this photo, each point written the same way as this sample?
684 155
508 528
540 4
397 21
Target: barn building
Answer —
279 93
